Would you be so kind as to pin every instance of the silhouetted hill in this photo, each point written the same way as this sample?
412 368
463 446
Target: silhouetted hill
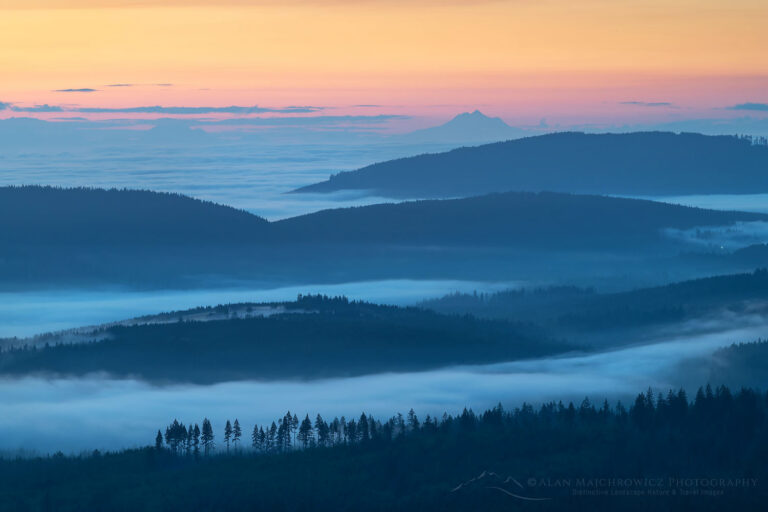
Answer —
742 364
97 217
645 163
512 219
568 311
315 337
141 238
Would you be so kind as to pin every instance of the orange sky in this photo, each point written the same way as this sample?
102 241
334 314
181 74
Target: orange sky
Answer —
545 54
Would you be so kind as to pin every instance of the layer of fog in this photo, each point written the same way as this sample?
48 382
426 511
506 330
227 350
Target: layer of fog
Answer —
28 313
757 203
736 236
251 177
46 415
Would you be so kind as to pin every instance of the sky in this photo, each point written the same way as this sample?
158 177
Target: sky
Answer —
588 61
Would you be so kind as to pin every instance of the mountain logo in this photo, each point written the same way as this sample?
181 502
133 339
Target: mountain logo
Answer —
490 480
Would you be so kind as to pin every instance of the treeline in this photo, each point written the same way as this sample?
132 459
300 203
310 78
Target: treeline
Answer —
719 409
316 337
571 312
641 163
743 364
79 237
707 453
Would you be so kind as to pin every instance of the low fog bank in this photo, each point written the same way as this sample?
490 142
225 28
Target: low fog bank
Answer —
757 203
29 313
252 177
737 236
46 415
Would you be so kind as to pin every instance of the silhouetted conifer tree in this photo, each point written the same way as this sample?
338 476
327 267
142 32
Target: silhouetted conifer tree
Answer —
207 436
227 434
237 433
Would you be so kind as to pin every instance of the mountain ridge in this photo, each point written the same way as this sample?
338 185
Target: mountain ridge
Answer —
637 163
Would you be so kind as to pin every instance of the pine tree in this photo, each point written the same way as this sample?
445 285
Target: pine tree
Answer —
175 436
351 432
322 431
272 437
262 440
237 433
413 420
196 440
255 438
227 434
305 432
188 443
362 429
159 441
294 426
207 436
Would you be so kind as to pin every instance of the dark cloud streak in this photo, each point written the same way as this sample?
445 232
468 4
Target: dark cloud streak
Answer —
84 89
760 107
647 103
233 109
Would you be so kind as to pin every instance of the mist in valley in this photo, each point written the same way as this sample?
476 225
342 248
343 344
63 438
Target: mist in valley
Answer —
44 414
25 314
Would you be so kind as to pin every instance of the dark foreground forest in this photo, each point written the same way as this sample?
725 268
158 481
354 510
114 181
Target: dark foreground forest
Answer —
662 452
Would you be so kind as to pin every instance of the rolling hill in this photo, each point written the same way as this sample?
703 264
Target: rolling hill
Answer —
146 239
579 313
642 163
315 337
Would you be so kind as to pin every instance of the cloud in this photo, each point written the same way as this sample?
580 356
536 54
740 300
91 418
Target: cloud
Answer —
761 107
85 89
233 109
39 108
312 120
109 413
157 109
647 103
139 85
33 109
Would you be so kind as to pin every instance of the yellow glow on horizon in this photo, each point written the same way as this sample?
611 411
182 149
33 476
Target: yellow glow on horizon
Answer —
374 44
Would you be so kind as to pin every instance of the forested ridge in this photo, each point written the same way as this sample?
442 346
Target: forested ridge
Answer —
315 337
569 309
640 163
147 240
663 451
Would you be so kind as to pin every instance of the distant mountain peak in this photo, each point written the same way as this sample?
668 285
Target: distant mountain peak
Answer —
477 116
474 113
467 127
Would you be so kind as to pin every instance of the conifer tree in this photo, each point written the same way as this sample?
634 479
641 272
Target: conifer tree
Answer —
237 433
255 438
207 436
196 440
227 434
362 429
322 431
159 441
272 438
413 420
305 432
